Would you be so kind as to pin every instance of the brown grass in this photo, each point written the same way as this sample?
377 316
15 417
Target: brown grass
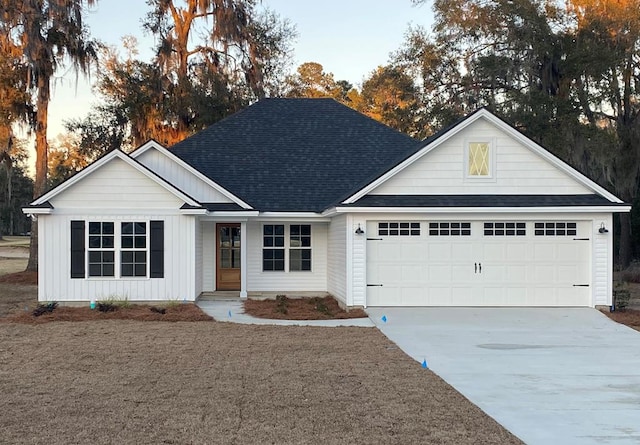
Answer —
300 309
130 382
23 277
181 312
629 317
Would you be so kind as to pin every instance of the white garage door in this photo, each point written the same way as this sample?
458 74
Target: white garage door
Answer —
479 263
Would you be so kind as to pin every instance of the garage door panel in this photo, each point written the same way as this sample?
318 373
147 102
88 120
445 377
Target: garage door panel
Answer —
440 273
440 270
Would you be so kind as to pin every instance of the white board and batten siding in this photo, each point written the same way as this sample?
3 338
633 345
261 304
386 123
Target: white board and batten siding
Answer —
116 192
518 170
180 177
518 271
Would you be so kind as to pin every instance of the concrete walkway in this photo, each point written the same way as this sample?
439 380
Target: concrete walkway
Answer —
550 376
233 312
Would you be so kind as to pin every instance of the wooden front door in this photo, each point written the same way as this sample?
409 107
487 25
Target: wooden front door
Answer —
228 257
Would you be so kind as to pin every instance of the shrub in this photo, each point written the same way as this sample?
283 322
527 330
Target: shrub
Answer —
281 304
158 310
106 306
45 308
621 296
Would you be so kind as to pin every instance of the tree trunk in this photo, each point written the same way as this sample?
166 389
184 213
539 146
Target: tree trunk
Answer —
42 151
624 252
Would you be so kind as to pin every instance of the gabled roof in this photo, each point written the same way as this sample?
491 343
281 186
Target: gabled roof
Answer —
434 141
44 199
294 154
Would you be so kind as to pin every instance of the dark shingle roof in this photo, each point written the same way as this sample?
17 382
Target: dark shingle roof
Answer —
481 201
294 154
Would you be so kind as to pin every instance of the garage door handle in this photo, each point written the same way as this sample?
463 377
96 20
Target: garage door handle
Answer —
374 239
479 267
374 285
475 267
580 285
581 239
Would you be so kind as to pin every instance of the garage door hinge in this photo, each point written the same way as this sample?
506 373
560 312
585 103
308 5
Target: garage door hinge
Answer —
580 285
374 239
374 285
581 239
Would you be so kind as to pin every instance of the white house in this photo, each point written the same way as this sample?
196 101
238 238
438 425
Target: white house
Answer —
308 196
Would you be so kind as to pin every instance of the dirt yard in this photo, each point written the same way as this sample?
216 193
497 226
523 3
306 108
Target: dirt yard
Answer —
130 382
151 382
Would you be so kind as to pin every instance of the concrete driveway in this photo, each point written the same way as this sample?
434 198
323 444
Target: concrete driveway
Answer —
550 376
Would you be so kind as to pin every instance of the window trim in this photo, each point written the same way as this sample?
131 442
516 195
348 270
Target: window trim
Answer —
118 250
287 248
518 226
274 247
491 177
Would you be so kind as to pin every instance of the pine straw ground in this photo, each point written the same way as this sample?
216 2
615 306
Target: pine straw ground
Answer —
130 382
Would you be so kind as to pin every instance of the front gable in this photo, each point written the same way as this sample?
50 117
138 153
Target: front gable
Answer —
115 181
513 165
116 185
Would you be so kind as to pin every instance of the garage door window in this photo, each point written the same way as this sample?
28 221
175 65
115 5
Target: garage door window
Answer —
449 229
555 228
505 229
399 229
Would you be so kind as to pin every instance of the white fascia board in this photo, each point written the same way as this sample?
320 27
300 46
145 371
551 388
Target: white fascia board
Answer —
292 217
153 144
238 214
572 209
200 211
106 159
36 211
483 113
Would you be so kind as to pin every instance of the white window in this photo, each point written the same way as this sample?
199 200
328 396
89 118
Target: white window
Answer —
133 249
101 249
281 252
108 239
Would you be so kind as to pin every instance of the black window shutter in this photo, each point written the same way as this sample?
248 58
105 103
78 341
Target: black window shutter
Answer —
156 232
77 249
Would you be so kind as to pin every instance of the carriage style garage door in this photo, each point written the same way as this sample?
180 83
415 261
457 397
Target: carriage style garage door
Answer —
479 263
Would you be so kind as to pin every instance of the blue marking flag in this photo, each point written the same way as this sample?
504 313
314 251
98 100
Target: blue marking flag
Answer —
229 314
384 318
424 364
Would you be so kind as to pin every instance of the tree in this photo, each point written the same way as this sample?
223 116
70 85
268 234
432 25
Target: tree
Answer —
17 190
213 57
564 74
390 96
49 34
312 81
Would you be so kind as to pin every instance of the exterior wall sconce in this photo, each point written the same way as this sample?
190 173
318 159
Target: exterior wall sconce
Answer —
359 230
603 229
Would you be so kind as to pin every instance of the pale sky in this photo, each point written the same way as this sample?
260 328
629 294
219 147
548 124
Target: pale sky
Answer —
350 38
